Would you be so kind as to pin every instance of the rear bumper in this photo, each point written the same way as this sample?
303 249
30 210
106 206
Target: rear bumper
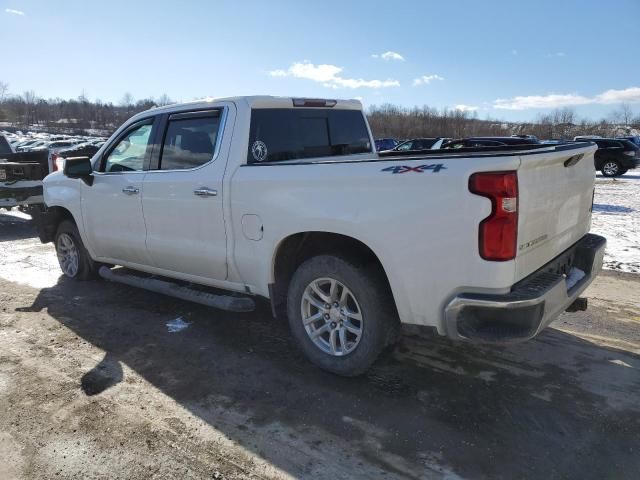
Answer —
532 304
630 162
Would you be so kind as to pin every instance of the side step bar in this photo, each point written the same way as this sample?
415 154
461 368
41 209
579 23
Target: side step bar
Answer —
222 302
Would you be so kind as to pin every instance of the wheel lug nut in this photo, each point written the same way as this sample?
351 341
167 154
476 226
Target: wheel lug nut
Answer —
327 316
336 304
327 306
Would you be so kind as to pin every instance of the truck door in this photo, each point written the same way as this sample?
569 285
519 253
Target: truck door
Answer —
182 194
112 206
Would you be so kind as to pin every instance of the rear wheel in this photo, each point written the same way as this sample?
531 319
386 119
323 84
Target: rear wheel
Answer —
340 313
73 258
611 168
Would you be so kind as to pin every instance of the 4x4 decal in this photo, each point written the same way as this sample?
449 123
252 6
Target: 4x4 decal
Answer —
435 168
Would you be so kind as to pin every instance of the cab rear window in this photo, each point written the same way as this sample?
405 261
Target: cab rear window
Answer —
278 135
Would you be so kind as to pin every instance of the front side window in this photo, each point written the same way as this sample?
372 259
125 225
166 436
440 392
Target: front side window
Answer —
189 141
129 153
291 134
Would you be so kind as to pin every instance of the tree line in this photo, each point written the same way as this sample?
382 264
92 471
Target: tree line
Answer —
56 115
392 121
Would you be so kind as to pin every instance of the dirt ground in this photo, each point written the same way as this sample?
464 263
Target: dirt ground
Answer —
93 385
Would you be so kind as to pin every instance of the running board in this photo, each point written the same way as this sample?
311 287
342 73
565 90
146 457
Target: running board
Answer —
222 302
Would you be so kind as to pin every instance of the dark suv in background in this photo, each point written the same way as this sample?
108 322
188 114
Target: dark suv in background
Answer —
635 139
385 144
614 155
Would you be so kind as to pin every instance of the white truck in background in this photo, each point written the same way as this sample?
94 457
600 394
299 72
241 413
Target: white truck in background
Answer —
287 199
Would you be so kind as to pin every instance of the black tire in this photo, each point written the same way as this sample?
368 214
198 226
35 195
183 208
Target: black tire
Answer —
86 267
623 171
379 325
611 168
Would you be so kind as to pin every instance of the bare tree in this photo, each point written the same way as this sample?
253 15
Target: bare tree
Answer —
4 88
127 100
164 100
624 114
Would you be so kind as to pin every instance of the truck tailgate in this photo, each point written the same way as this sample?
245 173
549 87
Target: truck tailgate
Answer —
24 166
555 197
11 171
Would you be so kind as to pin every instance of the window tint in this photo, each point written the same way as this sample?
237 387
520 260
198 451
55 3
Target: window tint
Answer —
189 142
290 134
608 144
129 153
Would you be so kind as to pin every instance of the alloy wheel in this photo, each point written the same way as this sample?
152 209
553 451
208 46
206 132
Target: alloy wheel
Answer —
332 316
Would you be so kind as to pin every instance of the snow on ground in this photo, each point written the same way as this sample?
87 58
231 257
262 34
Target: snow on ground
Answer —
616 216
23 259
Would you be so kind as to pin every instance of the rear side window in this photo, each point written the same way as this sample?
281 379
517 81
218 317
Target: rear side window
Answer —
190 140
290 134
608 144
4 146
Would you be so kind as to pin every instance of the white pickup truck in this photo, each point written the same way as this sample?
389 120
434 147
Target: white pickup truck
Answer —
287 199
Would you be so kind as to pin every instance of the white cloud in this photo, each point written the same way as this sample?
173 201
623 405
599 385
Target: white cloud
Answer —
11 11
329 76
514 52
466 108
426 79
389 56
628 95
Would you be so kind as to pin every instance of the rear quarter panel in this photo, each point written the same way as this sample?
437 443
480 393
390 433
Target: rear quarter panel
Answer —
422 225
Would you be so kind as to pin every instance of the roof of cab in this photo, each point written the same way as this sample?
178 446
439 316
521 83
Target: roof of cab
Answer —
257 101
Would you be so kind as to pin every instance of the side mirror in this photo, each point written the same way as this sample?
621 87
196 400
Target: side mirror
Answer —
79 167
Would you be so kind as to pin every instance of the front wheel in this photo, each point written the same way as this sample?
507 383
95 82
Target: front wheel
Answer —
611 169
340 313
73 258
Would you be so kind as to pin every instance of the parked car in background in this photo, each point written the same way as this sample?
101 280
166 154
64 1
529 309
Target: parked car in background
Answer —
635 139
416 144
614 156
441 141
528 137
385 144
61 144
86 149
39 145
585 137
473 142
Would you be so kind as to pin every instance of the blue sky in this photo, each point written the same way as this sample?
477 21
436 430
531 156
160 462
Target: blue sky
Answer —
504 59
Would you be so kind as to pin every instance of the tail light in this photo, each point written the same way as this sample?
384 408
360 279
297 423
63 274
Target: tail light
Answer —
498 233
57 162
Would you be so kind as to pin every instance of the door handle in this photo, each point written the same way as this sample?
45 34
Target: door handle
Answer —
130 190
205 192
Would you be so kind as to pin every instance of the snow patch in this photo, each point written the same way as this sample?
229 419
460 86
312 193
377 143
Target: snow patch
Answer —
177 325
616 216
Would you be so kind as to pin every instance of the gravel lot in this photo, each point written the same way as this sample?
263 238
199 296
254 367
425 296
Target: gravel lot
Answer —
93 385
